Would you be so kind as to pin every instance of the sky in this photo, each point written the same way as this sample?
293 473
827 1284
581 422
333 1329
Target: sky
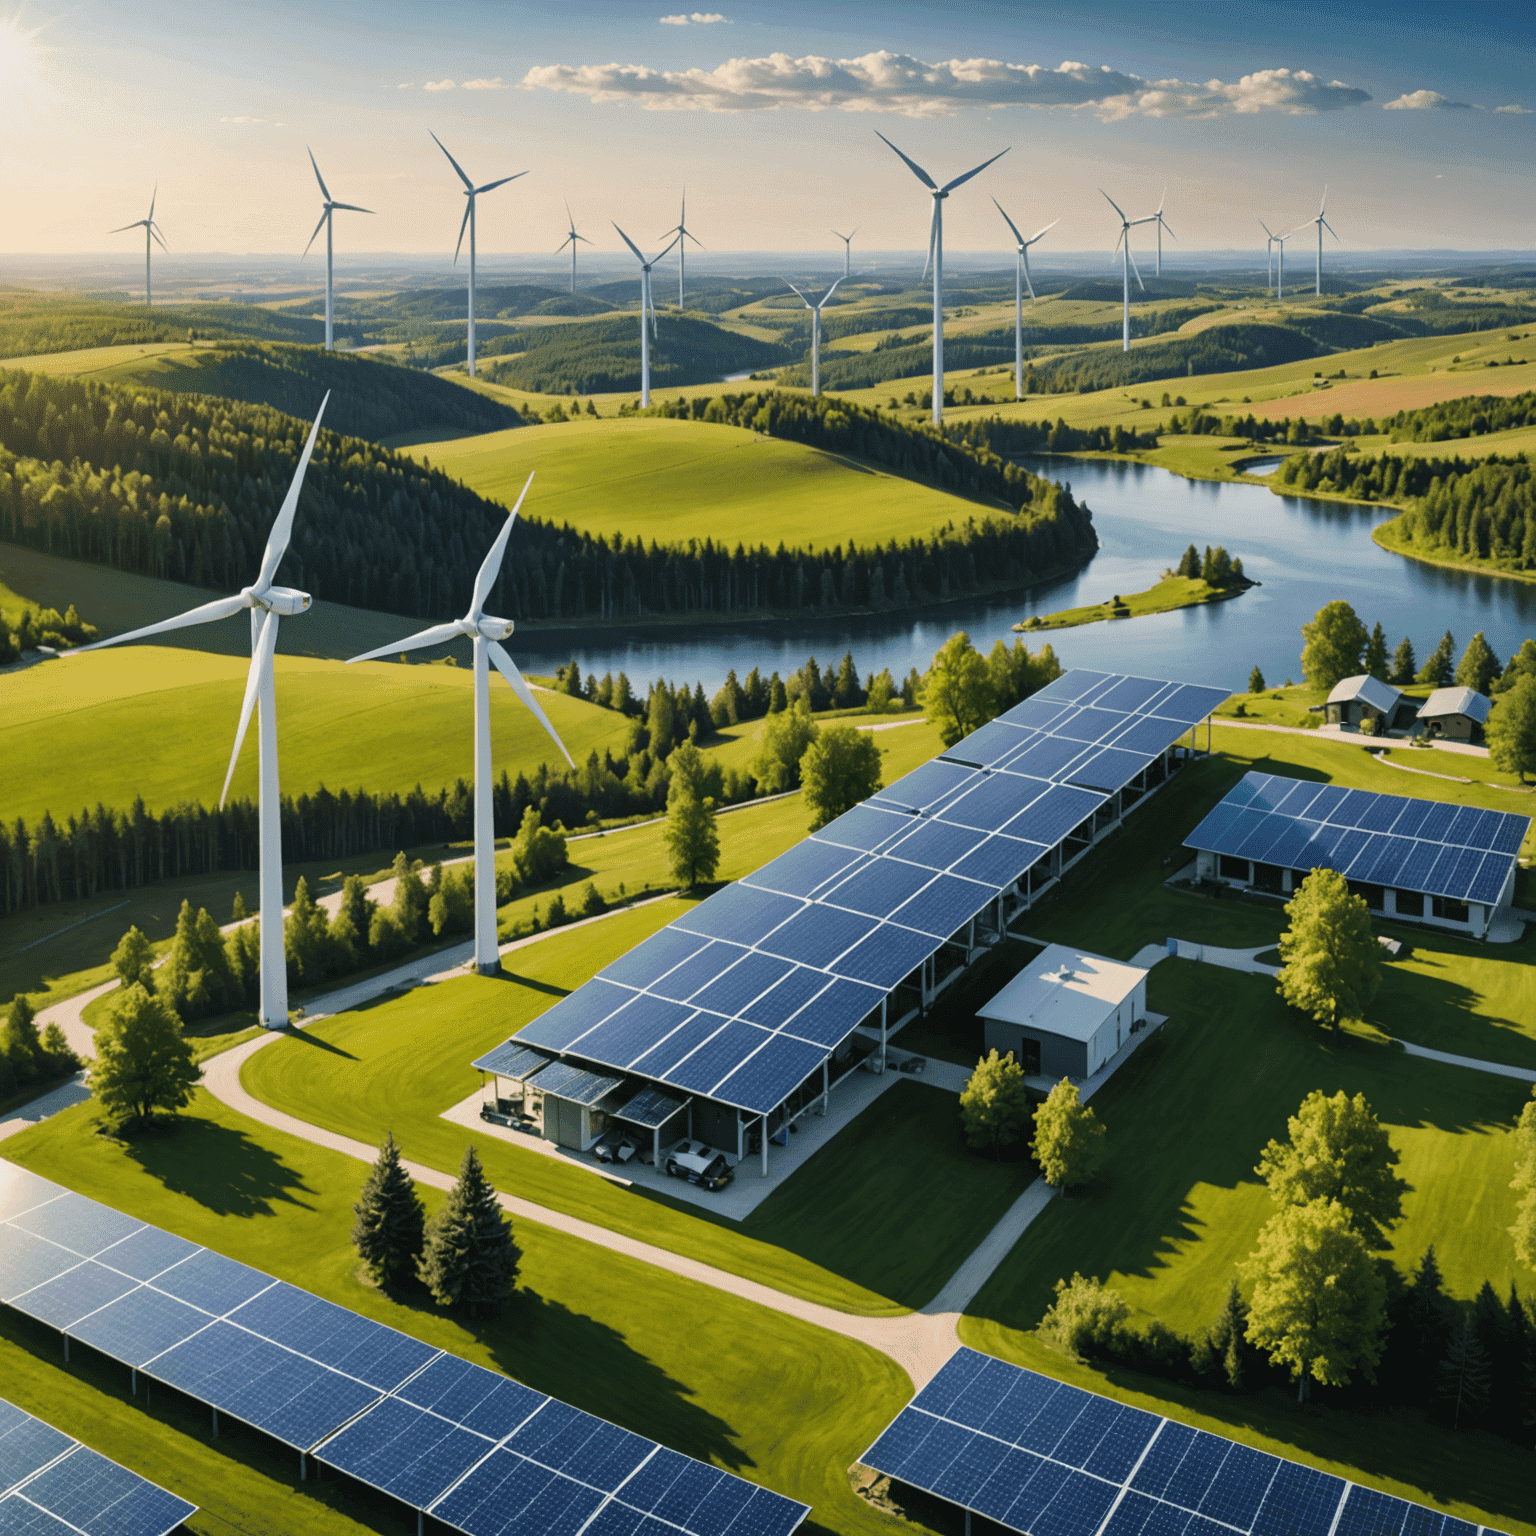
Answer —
1420 120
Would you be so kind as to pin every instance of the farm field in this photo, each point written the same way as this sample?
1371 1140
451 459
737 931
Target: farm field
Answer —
673 481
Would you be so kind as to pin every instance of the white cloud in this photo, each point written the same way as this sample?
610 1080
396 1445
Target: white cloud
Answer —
495 83
440 85
696 18
242 119
406 85
899 83
1516 108
1426 101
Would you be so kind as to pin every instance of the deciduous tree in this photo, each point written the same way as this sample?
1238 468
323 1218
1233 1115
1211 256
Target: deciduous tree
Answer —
1524 1229
957 692
840 768
994 1104
1511 729
1332 962
134 960
1332 645
691 837
787 735
391 1223
143 1061
1069 1138
469 1259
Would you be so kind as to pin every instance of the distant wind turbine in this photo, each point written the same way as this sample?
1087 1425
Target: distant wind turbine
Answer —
1279 241
570 240
1162 224
847 250
268 604
1322 223
150 228
815 310
936 258
1127 263
1020 278
487 633
471 191
331 205
684 235
1269 256
646 308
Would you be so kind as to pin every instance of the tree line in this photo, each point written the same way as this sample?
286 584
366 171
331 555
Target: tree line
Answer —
32 323
182 487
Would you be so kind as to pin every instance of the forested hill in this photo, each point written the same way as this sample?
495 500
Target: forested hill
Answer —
369 398
185 487
32 323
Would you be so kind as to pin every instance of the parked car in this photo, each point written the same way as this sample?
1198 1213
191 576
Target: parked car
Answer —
699 1164
615 1148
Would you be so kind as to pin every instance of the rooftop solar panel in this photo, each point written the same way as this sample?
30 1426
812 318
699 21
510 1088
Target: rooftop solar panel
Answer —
512 1059
999 861
569 1082
992 803
739 913
817 935
652 958
1074 684
887 957
1130 693
650 1107
573 1016
698 970
765 1079
632 1031
945 906
838 1009
1036 714
787 997
748 979
927 786
865 828
1048 757
800 870
1110 768
878 887
996 740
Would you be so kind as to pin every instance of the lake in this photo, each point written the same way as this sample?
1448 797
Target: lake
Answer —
1304 552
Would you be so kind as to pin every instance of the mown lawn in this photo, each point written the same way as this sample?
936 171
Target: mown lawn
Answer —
719 1378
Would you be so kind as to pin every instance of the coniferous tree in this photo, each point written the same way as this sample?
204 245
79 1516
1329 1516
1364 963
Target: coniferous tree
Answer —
1404 663
1478 666
1228 1338
1427 1317
391 1223
469 1259
1256 683
1463 1386
1437 671
1376 653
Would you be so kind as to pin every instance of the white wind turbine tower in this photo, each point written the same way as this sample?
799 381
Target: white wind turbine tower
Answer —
936 259
1322 223
471 191
150 228
684 235
268 604
1279 242
815 310
1269 256
331 205
570 240
1020 278
487 633
646 307
847 251
1127 263
1162 224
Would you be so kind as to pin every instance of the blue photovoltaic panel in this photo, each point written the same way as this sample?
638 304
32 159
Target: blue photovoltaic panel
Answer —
1073 684
714 1058
987 747
994 802
405 1451
633 1030
775 1007
864 828
1150 735
817 935
887 956
652 958
1110 768
75 1294
27 1445
1487 885
79 1224
1048 758
466 1394
803 868
879 887
27 1262
1130 693
935 844
740 914
569 1082
1036 714
764 1080
505 1495
697 970
143 1324
1000 861
512 1059
683 1041
924 787
1092 725
650 1108
212 1283
840 1008
945 906
573 1016
1055 814
21 1191
1189 703
749 978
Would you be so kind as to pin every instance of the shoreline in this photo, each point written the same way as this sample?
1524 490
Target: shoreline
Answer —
1195 596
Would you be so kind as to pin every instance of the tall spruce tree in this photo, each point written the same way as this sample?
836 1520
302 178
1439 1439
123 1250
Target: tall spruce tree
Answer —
1229 1340
1376 662
469 1259
1463 1389
1404 662
391 1223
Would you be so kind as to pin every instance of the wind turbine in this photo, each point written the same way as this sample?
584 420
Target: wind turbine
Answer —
331 205
1127 263
1279 240
570 240
1020 278
1322 223
268 604
847 251
1269 256
471 191
684 234
1162 224
646 307
936 259
815 310
487 633
150 228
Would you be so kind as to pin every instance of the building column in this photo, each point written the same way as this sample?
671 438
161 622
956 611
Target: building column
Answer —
1287 885
1389 901
884 1005
826 1089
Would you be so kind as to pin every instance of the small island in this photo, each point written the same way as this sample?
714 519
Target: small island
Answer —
1211 578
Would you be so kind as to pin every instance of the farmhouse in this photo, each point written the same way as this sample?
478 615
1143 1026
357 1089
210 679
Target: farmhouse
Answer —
1367 703
1066 1013
1449 865
1455 714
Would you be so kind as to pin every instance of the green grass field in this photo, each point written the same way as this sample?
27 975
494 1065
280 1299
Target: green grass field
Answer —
673 481
593 1328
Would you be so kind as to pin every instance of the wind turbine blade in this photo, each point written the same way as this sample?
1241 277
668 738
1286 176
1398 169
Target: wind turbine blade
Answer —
220 608
630 243
491 186
1329 227
828 294
351 208
158 241
318 227
675 239
324 190
437 635
1267 230
688 234
933 235
282 526
798 294
840 237
1137 270
469 204
451 161
557 249
960 181
1167 230
490 567
261 659
582 238
156 193
1118 239
504 664
912 165
1163 199
1322 207
1024 257
1039 232
1113 204
1009 222
137 224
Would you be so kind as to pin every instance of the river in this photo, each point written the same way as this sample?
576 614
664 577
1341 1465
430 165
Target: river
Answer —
1304 552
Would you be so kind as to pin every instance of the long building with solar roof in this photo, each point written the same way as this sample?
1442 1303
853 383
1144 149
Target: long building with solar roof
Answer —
473 1449
739 1014
1449 865
1045 1459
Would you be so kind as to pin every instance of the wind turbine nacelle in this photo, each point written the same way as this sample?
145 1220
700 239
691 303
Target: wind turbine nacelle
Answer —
285 601
490 628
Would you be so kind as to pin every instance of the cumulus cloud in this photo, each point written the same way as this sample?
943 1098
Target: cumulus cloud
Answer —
696 19
242 119
1426 101
495 83
1516 108
899 83
440 85
406 85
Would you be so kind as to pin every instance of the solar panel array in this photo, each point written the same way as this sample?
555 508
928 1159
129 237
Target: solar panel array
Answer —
475 1449
52 1485
1047 1459
747 994
1391 840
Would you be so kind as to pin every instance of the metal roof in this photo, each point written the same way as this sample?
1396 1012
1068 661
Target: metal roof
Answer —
1065 992
1369 690
1456 701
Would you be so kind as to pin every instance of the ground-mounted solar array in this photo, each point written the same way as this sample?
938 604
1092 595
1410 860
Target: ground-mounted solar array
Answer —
52 1485
1455 851
1046 1459
476 1450
743 997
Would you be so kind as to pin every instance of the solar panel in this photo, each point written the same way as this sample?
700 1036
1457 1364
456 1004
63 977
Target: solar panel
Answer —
878 887
889 955
652 958
512 1059
865 828
568 1082
817 935
698 970
947 904
1047 1459
1346 829
803 868
934 782
573 1016
739 913
649 1108
765 1079
986 747
1111 767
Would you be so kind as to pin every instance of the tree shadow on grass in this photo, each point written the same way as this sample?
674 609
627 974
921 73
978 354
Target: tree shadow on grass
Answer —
222 1168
